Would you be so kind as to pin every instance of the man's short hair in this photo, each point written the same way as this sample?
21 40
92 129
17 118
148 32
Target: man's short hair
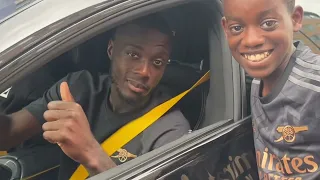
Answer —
153 21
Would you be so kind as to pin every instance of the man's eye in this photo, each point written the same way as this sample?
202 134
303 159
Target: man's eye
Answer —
158 62
269 25
236 29
133 55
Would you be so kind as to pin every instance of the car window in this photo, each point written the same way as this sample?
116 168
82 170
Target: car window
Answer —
190 56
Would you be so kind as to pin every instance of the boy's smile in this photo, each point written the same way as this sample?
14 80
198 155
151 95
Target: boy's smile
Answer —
260 34
257 56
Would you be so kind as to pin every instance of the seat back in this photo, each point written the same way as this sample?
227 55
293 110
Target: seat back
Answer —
92 55
180 77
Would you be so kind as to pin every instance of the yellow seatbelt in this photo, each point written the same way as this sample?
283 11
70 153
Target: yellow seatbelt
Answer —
2 153
135 127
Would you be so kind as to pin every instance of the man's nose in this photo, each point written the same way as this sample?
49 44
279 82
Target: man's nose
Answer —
143 68
253 38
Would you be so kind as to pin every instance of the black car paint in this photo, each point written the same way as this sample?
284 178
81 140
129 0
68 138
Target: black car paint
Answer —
213 159
230 156
204 155
29 54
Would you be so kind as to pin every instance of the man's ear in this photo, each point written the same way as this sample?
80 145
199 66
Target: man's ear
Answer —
297 17
110 49
224 25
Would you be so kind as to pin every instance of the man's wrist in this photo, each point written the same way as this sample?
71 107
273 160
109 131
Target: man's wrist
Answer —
93 158
98 161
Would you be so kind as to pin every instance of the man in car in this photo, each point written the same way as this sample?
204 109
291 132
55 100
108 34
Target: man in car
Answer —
95 106
285 92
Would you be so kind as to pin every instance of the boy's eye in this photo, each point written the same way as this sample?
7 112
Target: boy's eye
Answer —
236 29
158 62
269 25
133 55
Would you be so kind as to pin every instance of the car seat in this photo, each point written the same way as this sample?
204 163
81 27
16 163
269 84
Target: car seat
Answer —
179 77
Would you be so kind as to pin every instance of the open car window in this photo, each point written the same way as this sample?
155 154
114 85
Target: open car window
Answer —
198 48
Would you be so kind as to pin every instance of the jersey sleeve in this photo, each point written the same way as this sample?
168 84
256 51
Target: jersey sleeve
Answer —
39 106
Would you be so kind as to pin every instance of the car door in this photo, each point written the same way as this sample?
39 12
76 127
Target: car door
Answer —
223 148
221 151
34 40
223 139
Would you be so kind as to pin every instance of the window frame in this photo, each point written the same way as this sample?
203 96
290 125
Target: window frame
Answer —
78 30
17 61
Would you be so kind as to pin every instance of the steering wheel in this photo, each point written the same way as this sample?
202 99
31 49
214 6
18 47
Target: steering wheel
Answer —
5 173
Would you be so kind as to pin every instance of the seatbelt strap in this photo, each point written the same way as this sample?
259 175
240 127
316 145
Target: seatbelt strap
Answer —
135 127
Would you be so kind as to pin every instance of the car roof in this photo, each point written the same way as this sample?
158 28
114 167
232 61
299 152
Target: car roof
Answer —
38 16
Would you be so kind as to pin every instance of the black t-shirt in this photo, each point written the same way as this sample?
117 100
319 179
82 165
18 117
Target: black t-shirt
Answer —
32 86
25 91
91 92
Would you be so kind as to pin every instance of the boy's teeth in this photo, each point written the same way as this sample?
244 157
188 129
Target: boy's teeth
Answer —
256 57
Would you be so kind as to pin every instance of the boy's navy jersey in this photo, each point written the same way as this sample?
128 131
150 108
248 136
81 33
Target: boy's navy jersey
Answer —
286 122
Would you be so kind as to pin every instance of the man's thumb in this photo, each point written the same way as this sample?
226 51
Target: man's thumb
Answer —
65 92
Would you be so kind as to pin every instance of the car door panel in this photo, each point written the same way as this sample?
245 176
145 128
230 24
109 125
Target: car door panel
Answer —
167 163
40 162
230 156
222 153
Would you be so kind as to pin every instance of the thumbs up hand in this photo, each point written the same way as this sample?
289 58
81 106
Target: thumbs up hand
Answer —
65 93
67 125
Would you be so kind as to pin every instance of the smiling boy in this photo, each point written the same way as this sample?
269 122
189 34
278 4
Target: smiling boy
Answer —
285 92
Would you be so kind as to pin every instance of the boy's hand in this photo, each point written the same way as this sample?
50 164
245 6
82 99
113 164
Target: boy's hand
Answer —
68 127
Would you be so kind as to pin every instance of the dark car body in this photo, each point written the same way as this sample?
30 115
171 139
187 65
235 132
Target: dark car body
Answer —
220 145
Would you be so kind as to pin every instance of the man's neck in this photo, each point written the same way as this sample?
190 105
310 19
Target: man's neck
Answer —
120 105
270 81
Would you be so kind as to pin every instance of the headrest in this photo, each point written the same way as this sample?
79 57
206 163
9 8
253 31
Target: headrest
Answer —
179 77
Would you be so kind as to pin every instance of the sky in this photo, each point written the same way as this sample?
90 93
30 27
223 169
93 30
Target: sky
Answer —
310 5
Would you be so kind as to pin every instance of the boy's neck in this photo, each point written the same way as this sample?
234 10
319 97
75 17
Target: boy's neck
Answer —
270 81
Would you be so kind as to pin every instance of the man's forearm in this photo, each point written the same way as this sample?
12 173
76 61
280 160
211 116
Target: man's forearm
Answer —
99 162
16 128
5 124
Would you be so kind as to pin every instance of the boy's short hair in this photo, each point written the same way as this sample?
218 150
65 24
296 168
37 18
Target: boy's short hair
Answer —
290 5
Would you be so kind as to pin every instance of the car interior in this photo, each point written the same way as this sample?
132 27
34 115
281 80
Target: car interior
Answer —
189 61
